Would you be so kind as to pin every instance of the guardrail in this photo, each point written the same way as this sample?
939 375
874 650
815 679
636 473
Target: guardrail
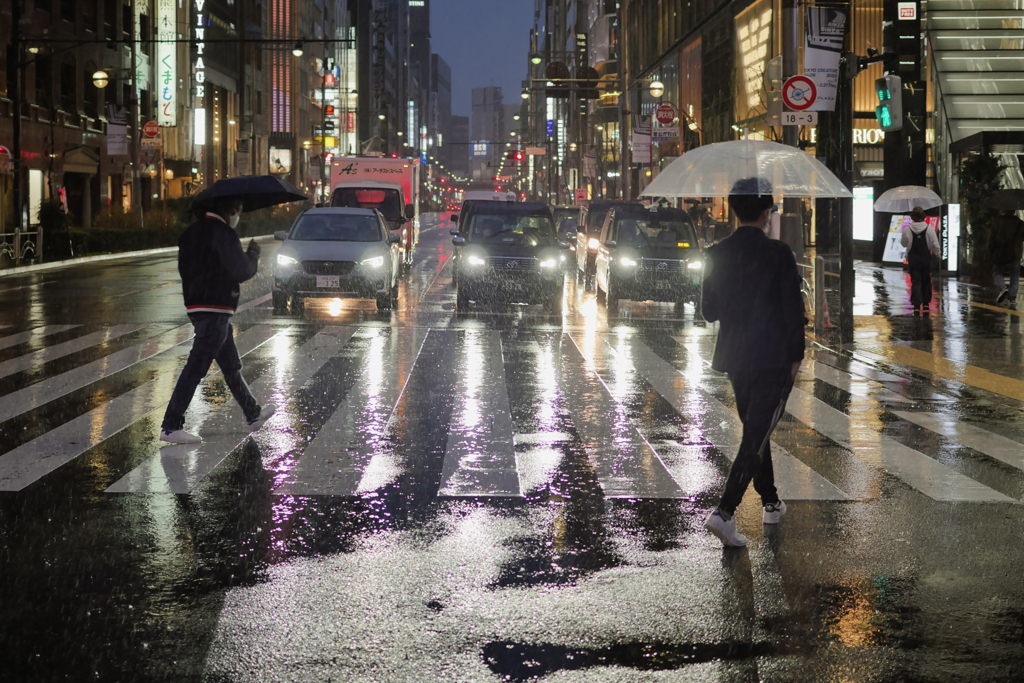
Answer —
19 245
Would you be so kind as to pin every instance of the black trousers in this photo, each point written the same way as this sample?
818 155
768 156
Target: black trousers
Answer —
920 284
759 393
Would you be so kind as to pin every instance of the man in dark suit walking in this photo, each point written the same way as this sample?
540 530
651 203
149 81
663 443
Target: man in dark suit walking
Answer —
752 288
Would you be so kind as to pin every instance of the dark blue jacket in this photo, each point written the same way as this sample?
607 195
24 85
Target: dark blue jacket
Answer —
212 265
752 287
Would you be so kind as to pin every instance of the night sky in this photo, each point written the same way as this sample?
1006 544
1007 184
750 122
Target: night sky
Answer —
486 42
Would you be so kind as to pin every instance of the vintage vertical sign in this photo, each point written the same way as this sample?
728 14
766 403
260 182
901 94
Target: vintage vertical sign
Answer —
825 33
167 63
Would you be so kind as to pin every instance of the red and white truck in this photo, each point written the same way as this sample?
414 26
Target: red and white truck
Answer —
389 185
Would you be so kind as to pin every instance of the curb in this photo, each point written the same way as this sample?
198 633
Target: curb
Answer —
17 270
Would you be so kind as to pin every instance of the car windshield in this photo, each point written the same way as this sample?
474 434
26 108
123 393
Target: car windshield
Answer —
388 202
560 214
655 230
342 228
511 228
595 219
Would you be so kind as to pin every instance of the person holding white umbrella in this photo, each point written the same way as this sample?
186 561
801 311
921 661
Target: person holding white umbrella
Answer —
920 242
752 288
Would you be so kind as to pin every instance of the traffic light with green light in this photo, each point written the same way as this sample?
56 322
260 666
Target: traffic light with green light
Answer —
889 111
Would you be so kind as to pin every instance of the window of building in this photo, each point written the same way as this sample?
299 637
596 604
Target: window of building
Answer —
88 14
109 18
44 82
145 105
259 102
90 95
126 21
68 89
68 10
144 30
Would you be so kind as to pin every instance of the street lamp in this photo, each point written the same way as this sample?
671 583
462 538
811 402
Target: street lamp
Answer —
515 117
657 89
297 50
572 146
100 79
525 95
535 58
381 116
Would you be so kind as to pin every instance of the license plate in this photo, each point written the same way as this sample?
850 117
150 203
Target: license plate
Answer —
328 281
663 285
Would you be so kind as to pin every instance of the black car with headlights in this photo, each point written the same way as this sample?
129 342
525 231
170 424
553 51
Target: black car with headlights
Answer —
509 254
649 254
332 251
588 232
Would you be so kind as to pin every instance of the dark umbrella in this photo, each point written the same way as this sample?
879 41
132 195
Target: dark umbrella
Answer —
1006 200
254 191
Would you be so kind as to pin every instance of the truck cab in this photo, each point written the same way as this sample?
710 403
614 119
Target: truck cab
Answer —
386 197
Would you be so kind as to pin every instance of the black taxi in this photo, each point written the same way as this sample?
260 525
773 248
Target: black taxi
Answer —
509 254
649 254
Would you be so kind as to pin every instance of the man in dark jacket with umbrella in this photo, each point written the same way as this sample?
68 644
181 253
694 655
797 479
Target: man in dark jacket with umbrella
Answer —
212 266
752 287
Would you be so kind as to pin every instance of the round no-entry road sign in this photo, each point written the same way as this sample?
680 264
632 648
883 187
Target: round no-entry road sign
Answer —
665 113
151 129
799 92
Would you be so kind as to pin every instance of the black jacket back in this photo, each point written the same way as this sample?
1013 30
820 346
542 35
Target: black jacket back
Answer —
752 287
212 265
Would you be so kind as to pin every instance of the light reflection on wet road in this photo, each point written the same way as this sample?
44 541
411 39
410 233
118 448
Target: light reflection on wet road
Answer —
505 494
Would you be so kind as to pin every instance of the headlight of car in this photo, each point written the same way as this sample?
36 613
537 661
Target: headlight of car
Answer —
548 263
475 261
593 243
375 262
626 261
695 265
286 261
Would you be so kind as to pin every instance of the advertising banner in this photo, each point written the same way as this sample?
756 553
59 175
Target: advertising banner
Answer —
166 63
825 30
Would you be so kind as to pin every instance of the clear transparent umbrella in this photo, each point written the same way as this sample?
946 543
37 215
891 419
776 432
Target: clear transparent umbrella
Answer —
711 170
904 198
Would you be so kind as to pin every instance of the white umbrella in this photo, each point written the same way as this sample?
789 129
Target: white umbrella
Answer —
904 198
711 171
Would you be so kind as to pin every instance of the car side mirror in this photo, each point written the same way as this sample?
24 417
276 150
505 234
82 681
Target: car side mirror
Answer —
458 241
410 211
280 235
394 238
453 232
563 245
455 218
611 244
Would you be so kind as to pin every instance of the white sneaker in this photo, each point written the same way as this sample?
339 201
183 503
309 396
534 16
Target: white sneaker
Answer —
265 413
724 528
1002 295
773 512
179 436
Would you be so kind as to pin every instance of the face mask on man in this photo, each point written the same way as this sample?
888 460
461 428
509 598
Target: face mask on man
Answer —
233 221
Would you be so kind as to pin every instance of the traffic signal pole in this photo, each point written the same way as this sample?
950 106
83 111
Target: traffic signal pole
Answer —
790 224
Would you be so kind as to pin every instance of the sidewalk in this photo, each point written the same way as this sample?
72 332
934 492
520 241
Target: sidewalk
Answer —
51 265
967 343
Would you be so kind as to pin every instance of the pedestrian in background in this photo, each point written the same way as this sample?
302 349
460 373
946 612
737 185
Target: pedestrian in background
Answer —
212 266
752 287
1005 247
920 243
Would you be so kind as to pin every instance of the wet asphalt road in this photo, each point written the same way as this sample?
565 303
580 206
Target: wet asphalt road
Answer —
500 495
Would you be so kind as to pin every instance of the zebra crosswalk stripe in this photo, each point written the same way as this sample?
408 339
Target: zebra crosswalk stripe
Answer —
22 337
178 469
345 458
38 394
993 445
43 356
480 458
625 463
35 459
722 426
